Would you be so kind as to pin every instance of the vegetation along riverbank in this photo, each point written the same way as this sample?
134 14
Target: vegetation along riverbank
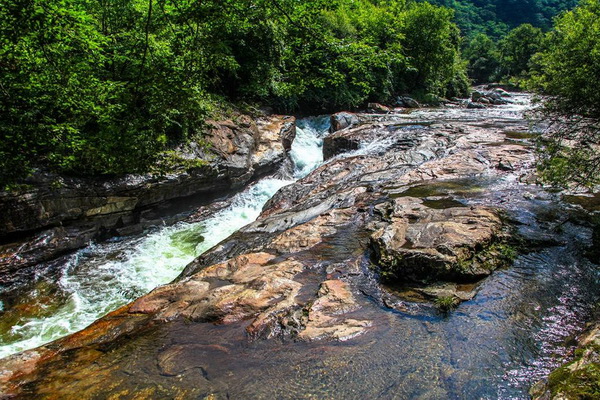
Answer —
299 199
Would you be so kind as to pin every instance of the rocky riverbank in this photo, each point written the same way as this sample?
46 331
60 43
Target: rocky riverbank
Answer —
578 379
58 214
383 231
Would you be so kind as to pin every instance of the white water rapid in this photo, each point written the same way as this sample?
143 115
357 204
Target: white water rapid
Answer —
102 277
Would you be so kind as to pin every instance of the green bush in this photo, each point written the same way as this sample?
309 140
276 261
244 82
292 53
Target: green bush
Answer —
564 75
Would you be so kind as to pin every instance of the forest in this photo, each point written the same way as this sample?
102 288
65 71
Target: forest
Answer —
100 88
497 17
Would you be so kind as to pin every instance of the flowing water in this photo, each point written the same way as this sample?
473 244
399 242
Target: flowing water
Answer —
104 276
518 327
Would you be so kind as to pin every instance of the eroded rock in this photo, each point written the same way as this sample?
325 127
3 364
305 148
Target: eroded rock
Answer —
60 214
343 120
424 244
328 315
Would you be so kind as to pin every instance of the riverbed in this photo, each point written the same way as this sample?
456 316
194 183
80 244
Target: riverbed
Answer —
518 326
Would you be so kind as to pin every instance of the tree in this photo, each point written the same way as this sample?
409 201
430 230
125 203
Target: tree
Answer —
484 59
107 87
517 48
569 68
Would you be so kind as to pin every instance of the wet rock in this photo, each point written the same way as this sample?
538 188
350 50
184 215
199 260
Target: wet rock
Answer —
275 140
59 214
338 143
328 315
579 379
177 360
343 120
476 95
447 295
305 236
423 244
249 284
472 105
502 92
408 102
378 108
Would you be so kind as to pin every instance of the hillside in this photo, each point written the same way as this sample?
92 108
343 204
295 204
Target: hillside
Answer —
496 17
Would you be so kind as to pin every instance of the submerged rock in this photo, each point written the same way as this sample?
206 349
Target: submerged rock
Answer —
328 315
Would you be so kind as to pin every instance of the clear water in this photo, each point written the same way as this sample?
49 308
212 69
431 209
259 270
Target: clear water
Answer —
102 277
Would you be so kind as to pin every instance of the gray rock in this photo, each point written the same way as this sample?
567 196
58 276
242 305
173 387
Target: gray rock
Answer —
473 105
476 95
408 102
343 120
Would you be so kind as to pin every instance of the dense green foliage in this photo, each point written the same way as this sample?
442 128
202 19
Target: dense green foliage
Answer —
496 17
517 48
509 58
566 74
484 58
103 87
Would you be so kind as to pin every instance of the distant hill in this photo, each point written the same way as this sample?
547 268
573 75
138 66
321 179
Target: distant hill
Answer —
496 17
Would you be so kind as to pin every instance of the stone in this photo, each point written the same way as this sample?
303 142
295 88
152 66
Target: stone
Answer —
408 102
475 106
343 120
327 316
251 285
476 95
422 244
378 108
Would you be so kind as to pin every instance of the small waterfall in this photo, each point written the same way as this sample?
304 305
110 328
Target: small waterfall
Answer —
102 277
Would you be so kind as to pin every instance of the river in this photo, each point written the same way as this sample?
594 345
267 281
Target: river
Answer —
104 276
517 328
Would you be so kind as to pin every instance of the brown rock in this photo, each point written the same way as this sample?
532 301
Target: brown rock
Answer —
378 108
327 316
249 286
425 244
343 120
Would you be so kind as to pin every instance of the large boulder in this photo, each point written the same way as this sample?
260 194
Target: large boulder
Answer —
424 244
408 102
